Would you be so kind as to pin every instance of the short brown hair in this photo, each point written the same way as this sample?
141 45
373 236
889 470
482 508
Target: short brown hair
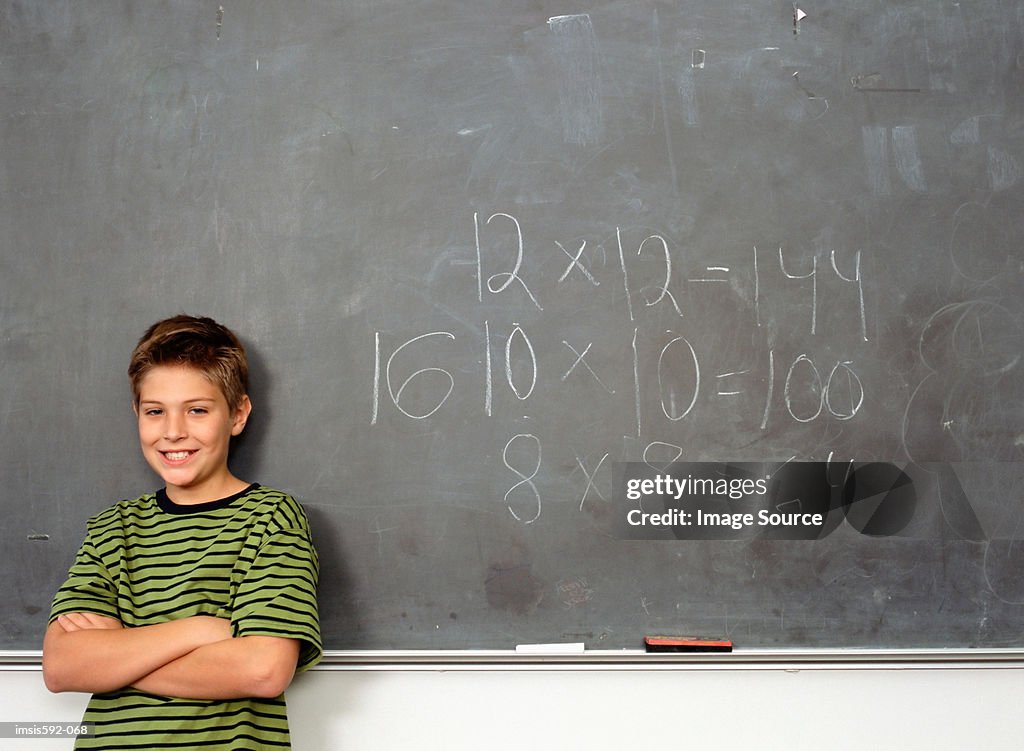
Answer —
199 343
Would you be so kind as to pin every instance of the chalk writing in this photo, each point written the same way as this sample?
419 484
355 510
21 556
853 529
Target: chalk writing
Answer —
396 396
508 363
526 480
580 359
673 414
590 479
668 377
509 276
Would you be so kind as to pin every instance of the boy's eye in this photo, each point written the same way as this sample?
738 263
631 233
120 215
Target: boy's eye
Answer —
198 411
152 412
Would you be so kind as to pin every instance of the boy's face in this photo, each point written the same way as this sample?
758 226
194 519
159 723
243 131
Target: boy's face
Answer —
185 426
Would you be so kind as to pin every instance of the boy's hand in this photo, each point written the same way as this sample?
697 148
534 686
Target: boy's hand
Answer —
83 621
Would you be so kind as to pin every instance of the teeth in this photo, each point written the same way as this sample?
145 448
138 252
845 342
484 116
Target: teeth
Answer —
177 456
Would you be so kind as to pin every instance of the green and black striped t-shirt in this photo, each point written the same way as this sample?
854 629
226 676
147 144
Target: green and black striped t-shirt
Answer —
248 558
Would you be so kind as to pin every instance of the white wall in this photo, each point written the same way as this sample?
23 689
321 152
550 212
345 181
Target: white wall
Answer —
498 707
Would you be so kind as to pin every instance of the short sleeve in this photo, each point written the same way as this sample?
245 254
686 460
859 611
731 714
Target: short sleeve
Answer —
277 595
89 587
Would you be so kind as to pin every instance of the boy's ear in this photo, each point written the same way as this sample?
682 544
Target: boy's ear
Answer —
241 415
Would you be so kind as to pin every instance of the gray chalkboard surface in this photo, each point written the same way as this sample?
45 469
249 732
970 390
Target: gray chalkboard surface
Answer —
484 252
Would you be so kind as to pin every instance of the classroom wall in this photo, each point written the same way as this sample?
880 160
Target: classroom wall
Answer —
500 707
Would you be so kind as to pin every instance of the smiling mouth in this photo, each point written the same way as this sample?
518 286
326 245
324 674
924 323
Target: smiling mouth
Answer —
177 456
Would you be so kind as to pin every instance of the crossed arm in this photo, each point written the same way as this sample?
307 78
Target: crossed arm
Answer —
189 658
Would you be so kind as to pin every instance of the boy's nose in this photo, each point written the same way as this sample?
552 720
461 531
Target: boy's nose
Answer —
174 428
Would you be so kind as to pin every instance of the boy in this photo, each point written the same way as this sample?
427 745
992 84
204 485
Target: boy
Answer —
188 611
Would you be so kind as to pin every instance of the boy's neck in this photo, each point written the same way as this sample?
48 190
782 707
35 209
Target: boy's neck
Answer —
193 497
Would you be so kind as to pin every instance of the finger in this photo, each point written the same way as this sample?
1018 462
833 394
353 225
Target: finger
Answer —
85 621
102 621
68 623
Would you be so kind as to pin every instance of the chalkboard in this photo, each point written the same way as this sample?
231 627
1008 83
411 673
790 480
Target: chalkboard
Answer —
483 253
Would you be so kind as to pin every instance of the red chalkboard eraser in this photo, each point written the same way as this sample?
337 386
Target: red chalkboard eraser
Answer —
686 644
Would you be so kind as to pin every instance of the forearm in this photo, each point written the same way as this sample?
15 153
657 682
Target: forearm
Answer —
247 666
98 660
